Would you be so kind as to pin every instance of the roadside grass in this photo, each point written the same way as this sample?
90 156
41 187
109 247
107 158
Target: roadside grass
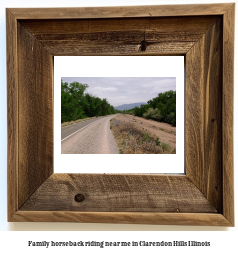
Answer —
134 140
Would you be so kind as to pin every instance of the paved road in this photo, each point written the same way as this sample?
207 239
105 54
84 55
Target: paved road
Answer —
90 137
71 129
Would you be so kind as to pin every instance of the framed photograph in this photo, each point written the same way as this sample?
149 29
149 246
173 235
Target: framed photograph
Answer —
139 142
202 195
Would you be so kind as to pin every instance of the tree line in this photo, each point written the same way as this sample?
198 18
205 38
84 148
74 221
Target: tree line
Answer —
161 108
76 104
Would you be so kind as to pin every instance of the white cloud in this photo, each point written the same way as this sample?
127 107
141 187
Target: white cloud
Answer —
105 88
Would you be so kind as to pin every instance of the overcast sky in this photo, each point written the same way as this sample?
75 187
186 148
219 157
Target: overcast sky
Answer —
119 91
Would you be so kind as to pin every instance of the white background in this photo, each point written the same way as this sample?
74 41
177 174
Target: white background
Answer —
119 66
17 241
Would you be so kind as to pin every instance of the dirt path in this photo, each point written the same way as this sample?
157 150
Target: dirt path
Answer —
165 132
96 138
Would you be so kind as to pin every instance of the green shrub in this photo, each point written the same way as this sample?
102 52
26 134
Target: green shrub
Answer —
169 118
165 147
146 136
157 142
152 114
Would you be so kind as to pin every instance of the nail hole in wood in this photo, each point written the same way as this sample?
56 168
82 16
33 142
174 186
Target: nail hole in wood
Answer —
213 120
79 198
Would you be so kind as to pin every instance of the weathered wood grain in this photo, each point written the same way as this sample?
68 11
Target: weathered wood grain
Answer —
12 115
35 130
119 37
192 219
71 48
204 115
227 113
174 36
78 26
178 25
117 43
121 11
114 193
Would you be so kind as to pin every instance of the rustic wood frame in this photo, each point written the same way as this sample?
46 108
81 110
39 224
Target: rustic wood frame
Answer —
204 34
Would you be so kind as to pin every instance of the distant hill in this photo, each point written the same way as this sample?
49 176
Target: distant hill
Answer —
129 106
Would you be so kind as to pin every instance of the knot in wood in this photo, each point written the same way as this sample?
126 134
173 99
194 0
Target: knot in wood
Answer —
143 45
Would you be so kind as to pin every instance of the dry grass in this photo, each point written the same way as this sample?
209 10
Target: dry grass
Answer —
132 139
168 131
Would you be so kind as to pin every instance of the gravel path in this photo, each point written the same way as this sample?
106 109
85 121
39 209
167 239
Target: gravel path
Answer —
96 138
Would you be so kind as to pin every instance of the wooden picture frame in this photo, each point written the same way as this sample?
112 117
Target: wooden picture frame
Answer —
204 34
